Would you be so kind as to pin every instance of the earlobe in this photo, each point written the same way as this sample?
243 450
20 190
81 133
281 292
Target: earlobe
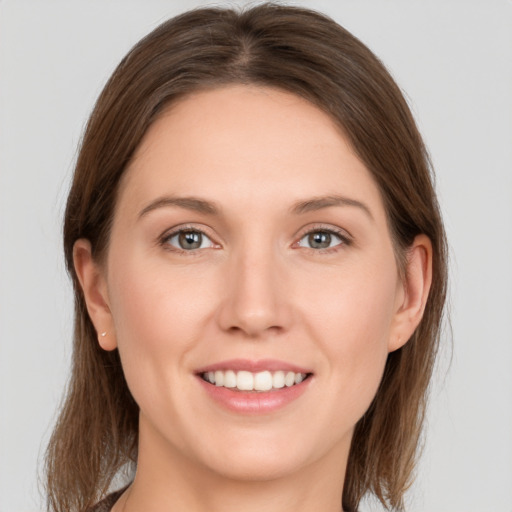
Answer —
94 287
416 287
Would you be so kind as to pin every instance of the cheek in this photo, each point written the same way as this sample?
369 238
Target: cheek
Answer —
352 321
158 313
152 298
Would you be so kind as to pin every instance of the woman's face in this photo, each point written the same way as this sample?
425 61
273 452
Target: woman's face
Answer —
250 248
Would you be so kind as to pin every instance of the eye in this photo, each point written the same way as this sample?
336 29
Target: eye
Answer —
322 239
188 240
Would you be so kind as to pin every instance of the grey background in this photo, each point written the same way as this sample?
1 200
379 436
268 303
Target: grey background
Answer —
454 60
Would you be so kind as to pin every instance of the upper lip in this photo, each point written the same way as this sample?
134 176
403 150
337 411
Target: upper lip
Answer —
260 365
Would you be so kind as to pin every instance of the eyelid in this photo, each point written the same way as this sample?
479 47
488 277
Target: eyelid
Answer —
176 230
311 228
345 237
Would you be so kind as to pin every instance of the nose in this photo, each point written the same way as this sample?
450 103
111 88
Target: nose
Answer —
255 296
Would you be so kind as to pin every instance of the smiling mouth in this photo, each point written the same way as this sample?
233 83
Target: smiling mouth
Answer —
257 382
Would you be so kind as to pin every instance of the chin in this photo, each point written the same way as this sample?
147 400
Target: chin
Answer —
268 457
258 467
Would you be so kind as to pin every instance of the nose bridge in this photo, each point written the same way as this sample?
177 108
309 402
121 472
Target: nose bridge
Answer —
255 300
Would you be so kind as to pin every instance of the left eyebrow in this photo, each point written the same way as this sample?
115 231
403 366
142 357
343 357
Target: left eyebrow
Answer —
317 203
188 203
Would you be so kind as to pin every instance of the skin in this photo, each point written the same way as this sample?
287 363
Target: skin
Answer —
256 289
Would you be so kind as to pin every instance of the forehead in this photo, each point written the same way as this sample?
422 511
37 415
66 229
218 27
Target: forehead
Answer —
246 142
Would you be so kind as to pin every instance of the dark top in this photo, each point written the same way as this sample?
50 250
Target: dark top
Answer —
106 504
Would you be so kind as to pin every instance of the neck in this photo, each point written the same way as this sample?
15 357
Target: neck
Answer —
166 480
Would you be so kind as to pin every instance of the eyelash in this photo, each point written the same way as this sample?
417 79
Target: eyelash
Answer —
166 237
344 238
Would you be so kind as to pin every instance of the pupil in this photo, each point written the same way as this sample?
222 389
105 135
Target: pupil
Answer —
320 240
190 240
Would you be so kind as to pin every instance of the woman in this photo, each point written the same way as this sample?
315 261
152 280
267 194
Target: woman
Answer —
259 269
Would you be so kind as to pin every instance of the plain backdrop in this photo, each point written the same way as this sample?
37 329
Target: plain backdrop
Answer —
453 59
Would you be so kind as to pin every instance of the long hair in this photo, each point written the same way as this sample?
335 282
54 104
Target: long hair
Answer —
305 53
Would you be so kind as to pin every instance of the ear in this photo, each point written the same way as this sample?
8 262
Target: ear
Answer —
413 295
94 286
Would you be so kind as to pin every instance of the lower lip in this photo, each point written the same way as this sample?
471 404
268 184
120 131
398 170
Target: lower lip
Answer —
254 402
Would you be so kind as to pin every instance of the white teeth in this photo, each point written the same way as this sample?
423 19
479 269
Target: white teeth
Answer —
219 378
263 381
298 378
247 381
278 380
230 379
289 380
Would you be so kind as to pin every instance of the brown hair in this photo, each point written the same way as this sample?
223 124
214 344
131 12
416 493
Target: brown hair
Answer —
308 54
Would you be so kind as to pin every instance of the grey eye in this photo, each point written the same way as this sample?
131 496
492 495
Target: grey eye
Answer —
189 240
320 240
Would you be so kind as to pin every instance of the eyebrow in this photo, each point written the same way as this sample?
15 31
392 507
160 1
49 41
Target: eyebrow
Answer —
188 203
318 203
209 208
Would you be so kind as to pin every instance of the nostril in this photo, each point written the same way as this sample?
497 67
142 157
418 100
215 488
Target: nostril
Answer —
253 332
254 306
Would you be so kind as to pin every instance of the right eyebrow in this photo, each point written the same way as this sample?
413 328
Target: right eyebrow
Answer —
189 203
318 203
